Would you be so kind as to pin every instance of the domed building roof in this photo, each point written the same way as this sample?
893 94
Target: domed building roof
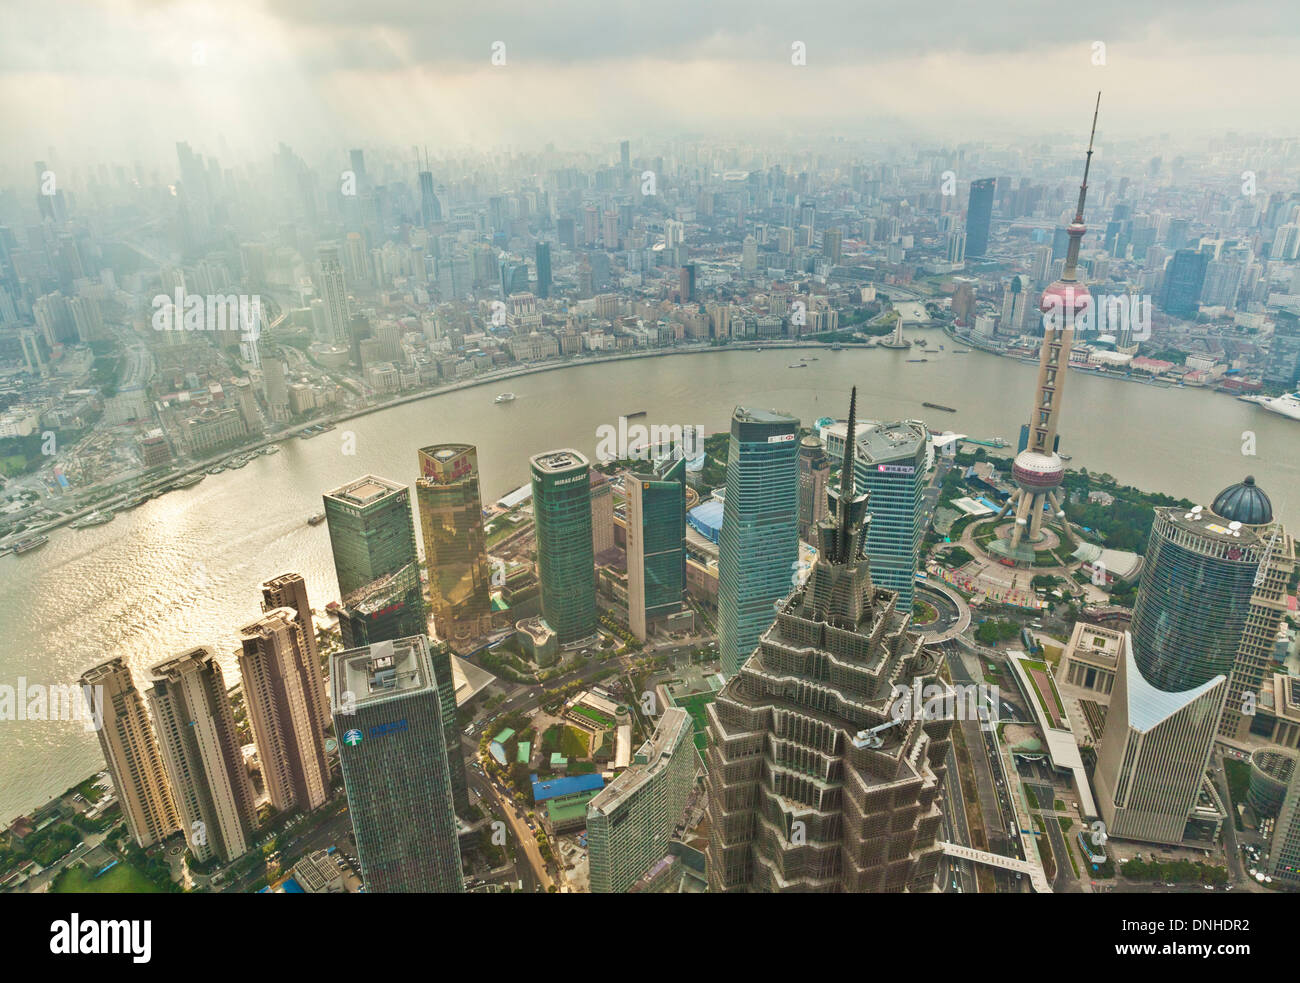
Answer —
1244 502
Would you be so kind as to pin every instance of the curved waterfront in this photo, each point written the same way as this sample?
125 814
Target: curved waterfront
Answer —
184 569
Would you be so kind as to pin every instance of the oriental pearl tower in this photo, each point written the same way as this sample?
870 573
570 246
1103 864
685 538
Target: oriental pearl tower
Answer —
1037 469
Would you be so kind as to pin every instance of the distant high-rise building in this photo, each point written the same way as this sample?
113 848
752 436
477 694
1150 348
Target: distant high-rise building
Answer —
816 781
1222 281
283 695
455 546
131 753
565 558
625 154
832 245
1282 367
393 752
630 822
758 547
1184 280
201 749
430 207
891 464
1042 265
749 255
686 284
979 216
814 470
656 544
332 289
543 270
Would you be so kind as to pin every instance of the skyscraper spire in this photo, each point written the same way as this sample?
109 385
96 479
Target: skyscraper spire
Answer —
846 479
1077 228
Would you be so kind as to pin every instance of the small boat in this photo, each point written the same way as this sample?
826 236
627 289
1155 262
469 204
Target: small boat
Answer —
188 481
316 520
1066 457
96 518
961 351
797 365
918 360
236 462
939 406
216 469
633 416
30 543
270 449
505 397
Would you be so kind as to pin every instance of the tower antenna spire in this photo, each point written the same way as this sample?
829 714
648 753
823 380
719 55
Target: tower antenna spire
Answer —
1087 164
846 480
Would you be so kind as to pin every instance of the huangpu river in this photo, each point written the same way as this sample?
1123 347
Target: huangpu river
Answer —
184 569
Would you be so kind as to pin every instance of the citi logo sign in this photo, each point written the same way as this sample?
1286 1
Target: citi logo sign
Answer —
102 937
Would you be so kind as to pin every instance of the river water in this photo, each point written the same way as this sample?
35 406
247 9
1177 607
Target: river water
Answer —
184 569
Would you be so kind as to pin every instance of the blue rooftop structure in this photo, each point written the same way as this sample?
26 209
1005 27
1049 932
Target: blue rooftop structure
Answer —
706 519
291 886
557 787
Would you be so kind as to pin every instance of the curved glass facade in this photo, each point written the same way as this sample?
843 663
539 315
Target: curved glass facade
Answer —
1191 610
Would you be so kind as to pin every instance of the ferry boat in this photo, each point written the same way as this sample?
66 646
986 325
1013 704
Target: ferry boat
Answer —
29 544
216 469
96 518
505 397
270 449
798 365
188 481
316 520
918 360
961 351
1287 405
236 462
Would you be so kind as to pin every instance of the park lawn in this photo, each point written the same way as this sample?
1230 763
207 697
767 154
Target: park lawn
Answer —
593 715
573 743
121 879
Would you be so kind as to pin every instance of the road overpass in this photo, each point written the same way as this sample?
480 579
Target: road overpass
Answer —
1037 878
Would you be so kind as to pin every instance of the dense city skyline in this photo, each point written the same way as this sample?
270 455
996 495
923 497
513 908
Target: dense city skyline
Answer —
702 449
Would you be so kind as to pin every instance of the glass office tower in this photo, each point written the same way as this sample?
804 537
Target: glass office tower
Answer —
758 547
656 544
371 532
890 465
566 562
393 751
455 546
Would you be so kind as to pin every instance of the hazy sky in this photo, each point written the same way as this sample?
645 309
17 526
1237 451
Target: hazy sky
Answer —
127 78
